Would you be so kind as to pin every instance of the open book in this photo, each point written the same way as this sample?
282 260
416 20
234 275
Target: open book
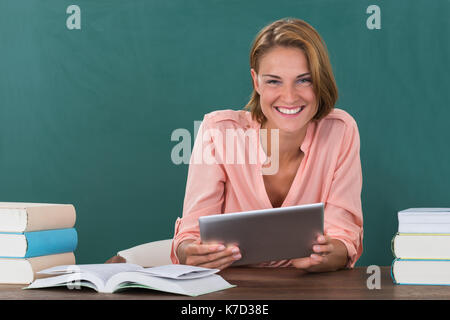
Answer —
110 278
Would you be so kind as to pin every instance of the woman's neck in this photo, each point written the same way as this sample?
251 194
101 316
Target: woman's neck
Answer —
289 144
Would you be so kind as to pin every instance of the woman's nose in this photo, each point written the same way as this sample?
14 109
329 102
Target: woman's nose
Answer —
289 95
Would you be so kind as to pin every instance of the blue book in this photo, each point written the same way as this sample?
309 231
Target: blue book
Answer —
37 243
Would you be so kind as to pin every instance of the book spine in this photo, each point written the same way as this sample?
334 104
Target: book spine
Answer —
393 245
42 243
392 271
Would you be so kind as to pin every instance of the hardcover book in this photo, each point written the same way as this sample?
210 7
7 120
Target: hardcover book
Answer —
421 272
25 217
424 220
37 243
25 270
421 246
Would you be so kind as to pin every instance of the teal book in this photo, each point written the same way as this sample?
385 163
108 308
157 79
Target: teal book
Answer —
37 243
421 271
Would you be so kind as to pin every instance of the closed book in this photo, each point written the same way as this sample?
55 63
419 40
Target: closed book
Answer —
25 271
421 272
37 243
424 220
22 217
421 246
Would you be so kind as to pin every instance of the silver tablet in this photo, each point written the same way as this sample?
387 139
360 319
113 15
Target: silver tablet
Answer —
266 235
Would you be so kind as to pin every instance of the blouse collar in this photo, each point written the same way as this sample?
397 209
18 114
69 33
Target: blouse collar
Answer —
305 146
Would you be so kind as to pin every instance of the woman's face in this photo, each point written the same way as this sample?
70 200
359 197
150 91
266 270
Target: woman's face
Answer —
285 88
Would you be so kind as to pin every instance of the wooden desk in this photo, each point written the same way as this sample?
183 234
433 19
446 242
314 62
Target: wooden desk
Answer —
260 284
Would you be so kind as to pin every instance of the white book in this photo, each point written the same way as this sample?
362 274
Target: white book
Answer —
424 220
421 246
25 270
114 277
26 217
421 272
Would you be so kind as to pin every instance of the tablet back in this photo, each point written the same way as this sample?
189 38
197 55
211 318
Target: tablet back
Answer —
266 235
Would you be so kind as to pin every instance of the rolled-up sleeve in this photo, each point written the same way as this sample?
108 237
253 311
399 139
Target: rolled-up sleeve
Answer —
204 187
343 218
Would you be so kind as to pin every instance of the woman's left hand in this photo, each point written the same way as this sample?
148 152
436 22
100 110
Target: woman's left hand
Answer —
329 255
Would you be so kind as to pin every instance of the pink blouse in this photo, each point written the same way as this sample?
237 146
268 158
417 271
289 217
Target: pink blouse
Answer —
330 172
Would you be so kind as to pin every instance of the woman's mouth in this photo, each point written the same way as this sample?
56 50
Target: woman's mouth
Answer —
290 111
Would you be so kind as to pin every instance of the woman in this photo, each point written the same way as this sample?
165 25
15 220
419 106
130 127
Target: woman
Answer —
318 154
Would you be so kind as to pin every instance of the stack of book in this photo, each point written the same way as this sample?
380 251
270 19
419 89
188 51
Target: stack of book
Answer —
33 237
422 247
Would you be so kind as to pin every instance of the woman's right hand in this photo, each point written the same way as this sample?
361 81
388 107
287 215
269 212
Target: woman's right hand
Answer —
215 256
116 259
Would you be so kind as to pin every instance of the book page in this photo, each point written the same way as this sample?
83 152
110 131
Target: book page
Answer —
24 205
425 210
190 287
71 281
101 271
179 271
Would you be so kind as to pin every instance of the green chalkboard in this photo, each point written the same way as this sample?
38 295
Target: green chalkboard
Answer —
88 105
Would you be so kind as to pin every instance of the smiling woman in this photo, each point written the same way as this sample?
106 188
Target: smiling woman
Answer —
286 95
314 65
294 94
317 149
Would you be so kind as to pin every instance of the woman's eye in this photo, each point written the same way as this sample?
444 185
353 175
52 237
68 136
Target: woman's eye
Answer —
305 81
272 82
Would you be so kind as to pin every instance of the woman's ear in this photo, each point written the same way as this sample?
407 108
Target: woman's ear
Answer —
255 80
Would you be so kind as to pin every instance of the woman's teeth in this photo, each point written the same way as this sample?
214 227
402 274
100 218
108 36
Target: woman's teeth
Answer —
289 111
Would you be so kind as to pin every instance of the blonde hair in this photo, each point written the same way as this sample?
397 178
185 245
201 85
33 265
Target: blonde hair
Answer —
291 32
